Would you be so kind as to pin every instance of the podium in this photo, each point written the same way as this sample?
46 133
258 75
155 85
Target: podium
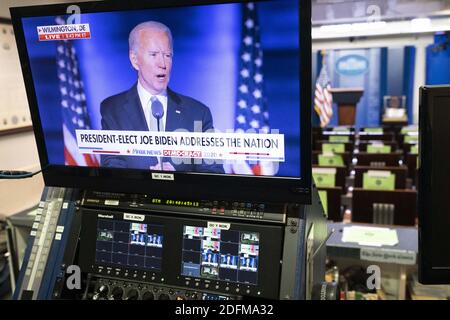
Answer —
347 99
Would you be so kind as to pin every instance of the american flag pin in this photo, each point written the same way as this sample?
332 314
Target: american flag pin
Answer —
178 111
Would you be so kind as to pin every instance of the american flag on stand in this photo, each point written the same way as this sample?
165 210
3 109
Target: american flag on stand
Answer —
251 109
323 100
73 103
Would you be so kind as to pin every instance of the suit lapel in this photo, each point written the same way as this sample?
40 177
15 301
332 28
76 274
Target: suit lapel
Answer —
134 111
174 111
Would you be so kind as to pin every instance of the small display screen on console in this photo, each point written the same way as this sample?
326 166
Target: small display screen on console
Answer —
129 244
218 254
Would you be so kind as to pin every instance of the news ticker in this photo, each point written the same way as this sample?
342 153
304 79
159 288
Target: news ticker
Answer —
206 145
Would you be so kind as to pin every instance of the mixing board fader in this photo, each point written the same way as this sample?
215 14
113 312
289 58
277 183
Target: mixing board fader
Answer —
43 232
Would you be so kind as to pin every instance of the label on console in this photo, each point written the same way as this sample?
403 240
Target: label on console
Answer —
111 202
133 217
107 216
219 225
163 176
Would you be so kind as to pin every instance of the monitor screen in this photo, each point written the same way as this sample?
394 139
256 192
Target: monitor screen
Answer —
217 254
129 244
145 89
434 170
225 257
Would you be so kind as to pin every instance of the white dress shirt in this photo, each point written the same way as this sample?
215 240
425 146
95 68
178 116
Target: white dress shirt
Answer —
145 98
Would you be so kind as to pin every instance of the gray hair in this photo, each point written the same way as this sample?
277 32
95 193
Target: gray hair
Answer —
133 39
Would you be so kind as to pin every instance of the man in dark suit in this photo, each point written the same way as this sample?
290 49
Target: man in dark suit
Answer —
151 106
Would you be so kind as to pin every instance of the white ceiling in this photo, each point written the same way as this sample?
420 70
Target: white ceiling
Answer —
323 11
348 11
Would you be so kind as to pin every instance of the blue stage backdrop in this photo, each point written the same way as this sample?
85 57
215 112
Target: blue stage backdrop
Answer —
438 60
380 71
359 68
205 66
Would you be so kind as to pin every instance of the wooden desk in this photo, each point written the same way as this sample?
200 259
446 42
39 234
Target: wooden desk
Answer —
405 202
350 253
334 203
381 159
385 136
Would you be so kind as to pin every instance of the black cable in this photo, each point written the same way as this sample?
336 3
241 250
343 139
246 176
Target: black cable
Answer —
12 174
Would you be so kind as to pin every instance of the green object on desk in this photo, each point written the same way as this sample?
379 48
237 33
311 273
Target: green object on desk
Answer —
333 147
338 138
379 180
377 130
410 138
330 160
378 148
324 180
409 129
341 129
415 149
324 199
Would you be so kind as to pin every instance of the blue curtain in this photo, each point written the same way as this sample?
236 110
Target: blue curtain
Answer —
408 80
438 60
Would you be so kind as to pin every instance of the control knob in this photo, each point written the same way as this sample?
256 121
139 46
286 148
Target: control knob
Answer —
116 293
148 296
164 296
132 294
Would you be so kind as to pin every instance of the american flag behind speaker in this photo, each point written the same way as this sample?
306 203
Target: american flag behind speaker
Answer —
323 100
74 111
251 107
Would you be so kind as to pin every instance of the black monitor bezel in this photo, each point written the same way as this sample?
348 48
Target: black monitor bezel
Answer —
428 274
195 185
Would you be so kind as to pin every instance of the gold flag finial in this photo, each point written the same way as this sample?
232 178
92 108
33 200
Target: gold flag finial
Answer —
323 52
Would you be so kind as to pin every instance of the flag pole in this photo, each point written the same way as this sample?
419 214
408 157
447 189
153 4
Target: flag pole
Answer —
323 52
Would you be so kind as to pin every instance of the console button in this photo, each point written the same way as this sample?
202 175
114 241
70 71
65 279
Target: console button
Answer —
148 296
116 294
164 296
132 294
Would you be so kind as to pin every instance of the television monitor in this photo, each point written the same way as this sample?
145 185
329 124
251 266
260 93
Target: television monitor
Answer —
135 97
434 173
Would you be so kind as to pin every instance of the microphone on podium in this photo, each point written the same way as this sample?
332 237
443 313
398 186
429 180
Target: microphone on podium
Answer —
158 113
